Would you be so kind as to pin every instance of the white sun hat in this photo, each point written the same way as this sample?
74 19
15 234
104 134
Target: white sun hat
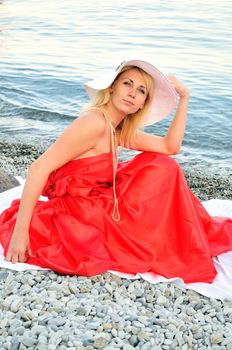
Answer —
165 96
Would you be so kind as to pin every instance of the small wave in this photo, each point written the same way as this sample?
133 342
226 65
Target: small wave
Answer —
41 97
11 111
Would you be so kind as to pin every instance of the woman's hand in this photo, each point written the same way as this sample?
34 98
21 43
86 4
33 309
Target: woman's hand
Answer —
180 88
19 249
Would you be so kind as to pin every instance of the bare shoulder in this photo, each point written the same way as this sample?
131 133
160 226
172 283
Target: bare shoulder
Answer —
90 124
93 120
82 135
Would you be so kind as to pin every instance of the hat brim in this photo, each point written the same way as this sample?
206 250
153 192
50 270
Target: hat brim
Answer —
165 97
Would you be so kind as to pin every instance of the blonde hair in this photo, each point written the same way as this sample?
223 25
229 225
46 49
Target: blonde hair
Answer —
129 125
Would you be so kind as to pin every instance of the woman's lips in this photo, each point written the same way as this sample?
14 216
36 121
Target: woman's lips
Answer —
128 103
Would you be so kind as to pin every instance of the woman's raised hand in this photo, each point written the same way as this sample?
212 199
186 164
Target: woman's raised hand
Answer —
180 88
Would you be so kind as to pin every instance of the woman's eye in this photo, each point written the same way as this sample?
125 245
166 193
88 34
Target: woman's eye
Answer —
142 91
127 83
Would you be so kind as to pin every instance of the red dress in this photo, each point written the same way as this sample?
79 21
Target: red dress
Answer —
163 227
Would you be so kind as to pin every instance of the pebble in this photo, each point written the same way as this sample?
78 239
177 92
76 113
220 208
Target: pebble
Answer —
227 341
133 340
92 324
7 181
3 276
81 310
128 347
15 306
27 341
216 338
198 306
162 300
100 342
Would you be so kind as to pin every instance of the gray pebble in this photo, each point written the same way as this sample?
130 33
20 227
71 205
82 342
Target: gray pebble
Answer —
198 307
18 330
227 341
128 347
133 340
100 342
42 339
7 181
138 324
27 341
92 324
114 332
190 311
81 311
162 300
15 344
3 275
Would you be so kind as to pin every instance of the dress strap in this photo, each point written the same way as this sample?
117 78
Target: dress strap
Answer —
115 213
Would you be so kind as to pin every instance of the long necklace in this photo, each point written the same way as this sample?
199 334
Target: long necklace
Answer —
115 214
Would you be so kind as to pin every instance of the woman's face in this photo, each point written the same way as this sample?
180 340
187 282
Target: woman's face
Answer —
129 92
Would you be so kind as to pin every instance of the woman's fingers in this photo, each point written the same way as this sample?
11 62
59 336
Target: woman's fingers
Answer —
17 256
13 257
30 254
8 256
22 257
19 248
180 88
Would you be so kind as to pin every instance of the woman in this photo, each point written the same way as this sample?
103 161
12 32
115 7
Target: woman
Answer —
135 216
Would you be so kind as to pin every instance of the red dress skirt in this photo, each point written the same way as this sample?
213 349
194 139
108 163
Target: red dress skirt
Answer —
163 227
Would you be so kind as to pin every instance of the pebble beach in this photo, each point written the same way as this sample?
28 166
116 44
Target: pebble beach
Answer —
44 310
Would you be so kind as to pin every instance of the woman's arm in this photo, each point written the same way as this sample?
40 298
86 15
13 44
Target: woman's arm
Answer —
171 142
82 135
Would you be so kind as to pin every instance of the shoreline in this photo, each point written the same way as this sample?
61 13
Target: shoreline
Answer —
15 158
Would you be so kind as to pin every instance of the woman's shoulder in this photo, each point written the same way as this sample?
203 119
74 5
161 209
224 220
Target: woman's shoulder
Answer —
93 116
91 119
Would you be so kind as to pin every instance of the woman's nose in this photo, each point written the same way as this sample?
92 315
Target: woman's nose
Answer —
132 92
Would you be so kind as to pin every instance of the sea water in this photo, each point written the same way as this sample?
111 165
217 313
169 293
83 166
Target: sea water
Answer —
48 49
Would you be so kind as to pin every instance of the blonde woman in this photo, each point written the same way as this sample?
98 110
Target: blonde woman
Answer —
132 216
